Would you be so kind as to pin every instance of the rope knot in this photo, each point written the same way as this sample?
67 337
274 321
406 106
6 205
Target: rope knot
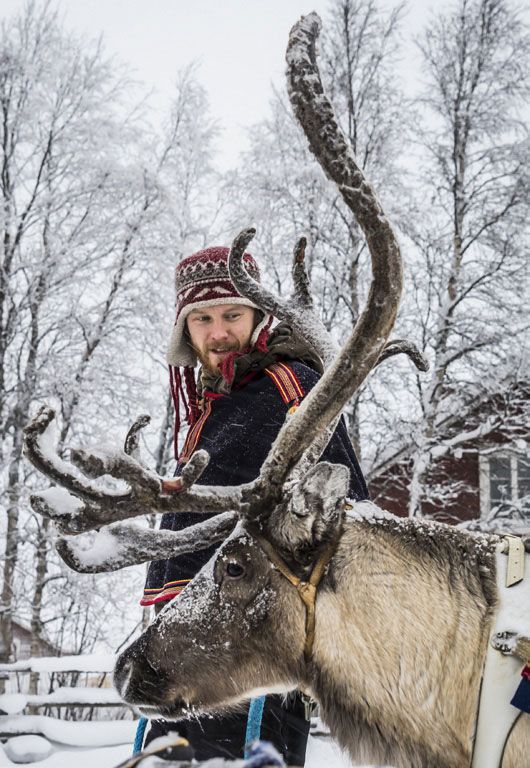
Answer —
307 592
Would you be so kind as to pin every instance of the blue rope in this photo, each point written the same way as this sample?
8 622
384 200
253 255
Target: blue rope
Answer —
255 715
139 738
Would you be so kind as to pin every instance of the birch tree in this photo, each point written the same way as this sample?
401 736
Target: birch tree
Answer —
469 231
95 206
58 107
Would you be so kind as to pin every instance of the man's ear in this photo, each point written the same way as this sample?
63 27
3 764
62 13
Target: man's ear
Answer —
314 510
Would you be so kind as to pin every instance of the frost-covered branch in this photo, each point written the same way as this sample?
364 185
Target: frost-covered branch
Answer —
443 448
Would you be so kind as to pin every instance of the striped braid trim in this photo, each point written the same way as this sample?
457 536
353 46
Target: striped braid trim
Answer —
167 592
194 434
286 381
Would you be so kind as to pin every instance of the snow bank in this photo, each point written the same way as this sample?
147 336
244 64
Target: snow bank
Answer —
107 757
27 749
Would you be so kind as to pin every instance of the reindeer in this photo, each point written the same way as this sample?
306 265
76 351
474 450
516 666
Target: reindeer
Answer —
384 621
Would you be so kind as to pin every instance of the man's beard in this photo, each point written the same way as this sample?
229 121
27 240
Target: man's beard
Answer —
204 357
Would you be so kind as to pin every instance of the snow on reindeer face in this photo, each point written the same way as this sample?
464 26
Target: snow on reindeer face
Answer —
238 627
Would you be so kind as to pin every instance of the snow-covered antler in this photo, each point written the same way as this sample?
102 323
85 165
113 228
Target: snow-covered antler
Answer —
121 544
298 311
95 505
367 342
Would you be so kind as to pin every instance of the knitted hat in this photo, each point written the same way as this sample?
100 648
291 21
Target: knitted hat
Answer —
203 280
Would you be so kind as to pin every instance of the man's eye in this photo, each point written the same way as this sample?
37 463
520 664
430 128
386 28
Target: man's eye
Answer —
234 316
234 570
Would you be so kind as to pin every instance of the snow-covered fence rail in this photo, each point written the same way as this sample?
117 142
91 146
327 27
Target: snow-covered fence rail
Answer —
91 662
65 717
86 695
14 703
69 732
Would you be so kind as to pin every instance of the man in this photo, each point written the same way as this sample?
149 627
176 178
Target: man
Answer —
250 378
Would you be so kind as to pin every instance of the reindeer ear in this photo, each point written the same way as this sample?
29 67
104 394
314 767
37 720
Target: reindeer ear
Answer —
321 492
314 509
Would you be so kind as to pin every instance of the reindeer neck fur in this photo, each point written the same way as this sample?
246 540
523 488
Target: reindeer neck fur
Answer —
402 625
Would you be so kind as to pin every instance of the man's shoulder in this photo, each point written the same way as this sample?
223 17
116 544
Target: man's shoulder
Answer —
303 371
292 379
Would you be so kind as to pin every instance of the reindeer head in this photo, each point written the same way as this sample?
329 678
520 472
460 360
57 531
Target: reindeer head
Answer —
211 645
240 625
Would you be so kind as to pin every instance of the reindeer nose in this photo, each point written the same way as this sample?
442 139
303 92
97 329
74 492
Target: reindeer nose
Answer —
135 678
123 671
122 674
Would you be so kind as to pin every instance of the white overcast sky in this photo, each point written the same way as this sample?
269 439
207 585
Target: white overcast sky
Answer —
239 45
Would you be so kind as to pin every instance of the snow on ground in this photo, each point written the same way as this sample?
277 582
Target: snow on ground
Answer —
104 744
71 732
107 757
321 753
27 749
325 753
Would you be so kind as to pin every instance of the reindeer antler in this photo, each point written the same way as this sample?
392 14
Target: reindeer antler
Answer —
335 156
96 505
363 349
119 545
298 310
83 503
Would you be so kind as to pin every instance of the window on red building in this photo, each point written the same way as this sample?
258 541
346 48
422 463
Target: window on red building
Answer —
504 484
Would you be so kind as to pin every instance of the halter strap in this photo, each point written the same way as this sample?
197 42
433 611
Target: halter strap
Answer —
307 590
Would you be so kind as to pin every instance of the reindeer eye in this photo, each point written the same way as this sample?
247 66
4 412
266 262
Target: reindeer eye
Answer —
234 570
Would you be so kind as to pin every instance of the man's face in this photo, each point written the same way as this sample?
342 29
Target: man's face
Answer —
216 331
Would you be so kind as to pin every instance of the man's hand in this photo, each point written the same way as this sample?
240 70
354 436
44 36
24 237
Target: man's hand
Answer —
169 487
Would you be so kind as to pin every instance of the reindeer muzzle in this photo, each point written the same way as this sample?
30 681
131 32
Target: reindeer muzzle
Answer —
137 680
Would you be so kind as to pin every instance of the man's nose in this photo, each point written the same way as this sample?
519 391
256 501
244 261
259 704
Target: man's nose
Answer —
219 330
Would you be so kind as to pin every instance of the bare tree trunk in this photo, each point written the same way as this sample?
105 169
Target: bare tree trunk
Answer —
163 453
10 554
41 568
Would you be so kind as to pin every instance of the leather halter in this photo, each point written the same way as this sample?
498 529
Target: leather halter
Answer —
307 590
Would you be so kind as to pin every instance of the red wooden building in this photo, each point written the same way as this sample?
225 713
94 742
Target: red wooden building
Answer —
486 476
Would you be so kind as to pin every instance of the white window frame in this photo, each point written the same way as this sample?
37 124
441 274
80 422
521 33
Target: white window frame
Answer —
484 476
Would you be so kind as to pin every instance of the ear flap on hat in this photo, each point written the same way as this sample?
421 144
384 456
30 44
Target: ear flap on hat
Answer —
265 322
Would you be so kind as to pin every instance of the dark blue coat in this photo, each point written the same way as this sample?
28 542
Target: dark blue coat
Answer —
238 430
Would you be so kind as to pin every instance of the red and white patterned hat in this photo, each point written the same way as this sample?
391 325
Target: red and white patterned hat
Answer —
203 280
